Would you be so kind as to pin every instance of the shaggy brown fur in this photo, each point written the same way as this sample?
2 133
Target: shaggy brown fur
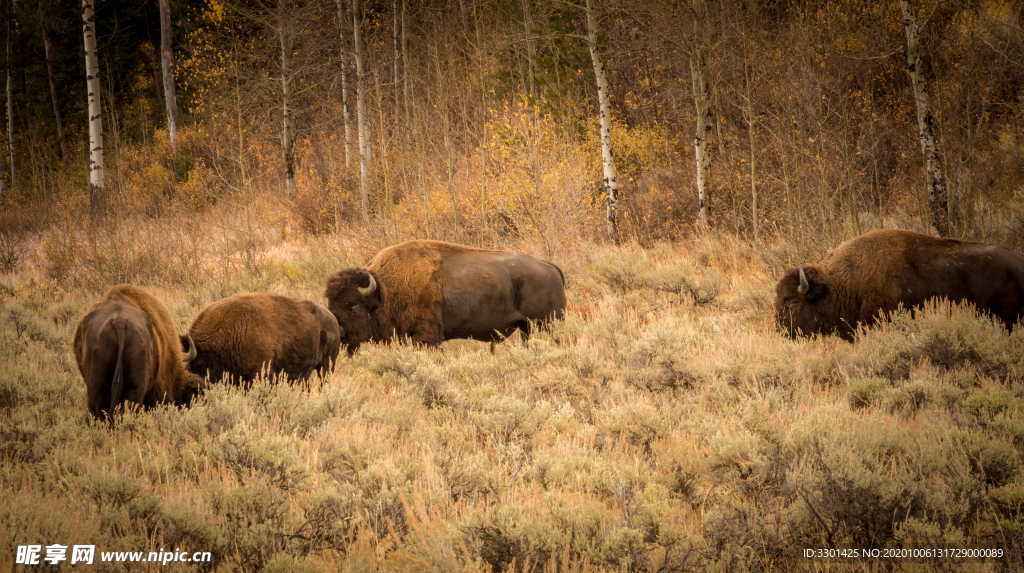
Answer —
879 271
128 351
245 334
431 291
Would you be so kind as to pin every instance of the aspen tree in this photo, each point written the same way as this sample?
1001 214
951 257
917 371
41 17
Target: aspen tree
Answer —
361 116
97 193
167 71
611 184
926 123
346 118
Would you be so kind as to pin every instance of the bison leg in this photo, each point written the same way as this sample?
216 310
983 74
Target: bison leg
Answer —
427 333
525 330
98 375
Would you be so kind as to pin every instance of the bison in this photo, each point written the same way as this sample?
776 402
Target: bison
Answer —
875 273
128 351
431 291
243 334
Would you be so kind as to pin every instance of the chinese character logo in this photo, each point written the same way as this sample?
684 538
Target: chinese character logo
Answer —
83 554
28 554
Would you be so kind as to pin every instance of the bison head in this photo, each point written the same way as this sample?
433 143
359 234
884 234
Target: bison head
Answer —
802 303
353 296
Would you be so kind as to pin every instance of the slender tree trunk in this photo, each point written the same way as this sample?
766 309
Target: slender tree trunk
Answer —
112 144
48 55
287 135
3 174
702 104
750 139
405 75
97 193
926 124
346 118
167 69
361 118
242 169
533 165
443 99
395 44
382 142
611 183
531 49
11 27
482 146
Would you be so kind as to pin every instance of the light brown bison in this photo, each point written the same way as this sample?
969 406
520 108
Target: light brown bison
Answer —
431 291
875 273
128 351
244 334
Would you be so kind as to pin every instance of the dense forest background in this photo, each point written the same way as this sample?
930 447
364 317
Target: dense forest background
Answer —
481 117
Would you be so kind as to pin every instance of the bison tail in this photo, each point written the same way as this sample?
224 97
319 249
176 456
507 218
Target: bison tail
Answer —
117 383
561 274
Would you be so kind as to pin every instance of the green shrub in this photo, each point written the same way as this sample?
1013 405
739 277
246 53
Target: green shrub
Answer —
867 391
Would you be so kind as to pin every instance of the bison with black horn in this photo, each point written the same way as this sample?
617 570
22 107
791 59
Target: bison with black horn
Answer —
431 291
871 275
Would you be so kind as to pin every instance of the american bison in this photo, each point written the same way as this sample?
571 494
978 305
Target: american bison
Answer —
873 274
431 291
128 351
247 333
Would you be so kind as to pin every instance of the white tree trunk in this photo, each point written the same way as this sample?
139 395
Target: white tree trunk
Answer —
611 183
167 69
48 55
97 196
346 118
287 131
937 201
361 119
702 104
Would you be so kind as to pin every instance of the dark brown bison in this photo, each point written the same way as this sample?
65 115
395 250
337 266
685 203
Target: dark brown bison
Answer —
244 334
431 291
873 274
128 351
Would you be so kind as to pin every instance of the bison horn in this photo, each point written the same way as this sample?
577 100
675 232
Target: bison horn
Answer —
368 289
191 354
804 285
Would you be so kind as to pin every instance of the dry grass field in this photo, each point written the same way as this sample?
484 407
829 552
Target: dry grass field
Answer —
663 426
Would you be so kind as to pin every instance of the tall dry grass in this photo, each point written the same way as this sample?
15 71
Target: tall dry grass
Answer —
664 425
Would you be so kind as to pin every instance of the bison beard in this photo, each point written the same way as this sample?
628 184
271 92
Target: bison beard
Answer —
353 297
431 291
244 335
127 351
871 275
